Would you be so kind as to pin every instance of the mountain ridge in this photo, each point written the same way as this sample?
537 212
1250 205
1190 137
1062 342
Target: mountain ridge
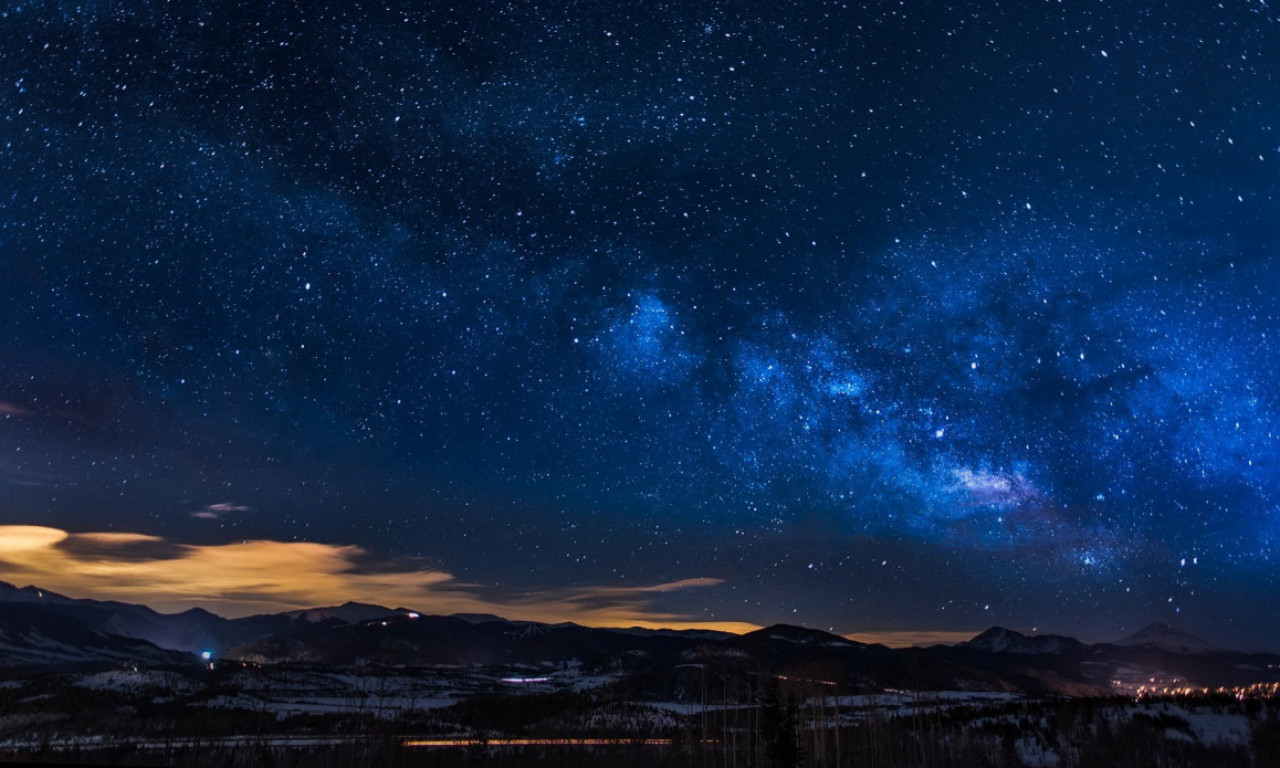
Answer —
361 634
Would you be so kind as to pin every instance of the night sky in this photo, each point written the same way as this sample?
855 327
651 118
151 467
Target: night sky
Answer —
870 316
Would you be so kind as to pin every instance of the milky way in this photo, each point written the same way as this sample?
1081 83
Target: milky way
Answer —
869 316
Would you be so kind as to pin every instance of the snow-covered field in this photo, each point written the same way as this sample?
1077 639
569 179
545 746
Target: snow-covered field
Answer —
136 681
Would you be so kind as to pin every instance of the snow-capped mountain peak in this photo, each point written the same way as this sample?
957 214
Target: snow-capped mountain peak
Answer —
1166 638
1002 640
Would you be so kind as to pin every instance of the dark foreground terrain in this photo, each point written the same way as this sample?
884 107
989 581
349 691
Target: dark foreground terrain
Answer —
292 716
89 682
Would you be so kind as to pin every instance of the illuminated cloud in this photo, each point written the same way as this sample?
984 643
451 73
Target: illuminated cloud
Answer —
248 577
9 409
25 539
610 606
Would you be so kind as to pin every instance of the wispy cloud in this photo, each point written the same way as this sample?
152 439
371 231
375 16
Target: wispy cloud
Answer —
9 409
242 578
219 511
14 474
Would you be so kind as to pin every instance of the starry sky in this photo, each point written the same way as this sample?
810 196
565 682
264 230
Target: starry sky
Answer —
877 317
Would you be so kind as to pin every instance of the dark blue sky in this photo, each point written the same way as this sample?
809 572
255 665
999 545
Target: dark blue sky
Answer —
890 316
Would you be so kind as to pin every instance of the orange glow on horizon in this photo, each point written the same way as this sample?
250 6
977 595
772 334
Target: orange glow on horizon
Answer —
895 638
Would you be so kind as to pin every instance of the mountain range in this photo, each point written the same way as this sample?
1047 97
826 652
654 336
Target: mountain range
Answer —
44 630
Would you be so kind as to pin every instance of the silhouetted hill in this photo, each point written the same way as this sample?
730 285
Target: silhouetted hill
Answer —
34 638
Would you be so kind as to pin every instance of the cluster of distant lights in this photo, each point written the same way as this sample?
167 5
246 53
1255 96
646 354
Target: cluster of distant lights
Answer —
525 680
409 615
1240 692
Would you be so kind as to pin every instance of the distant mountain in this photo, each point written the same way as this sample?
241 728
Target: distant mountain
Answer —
195 630
31 637
477 618
1001 640
42 629
657 662
1156 657
1166 638
349 612
403 639
788 633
